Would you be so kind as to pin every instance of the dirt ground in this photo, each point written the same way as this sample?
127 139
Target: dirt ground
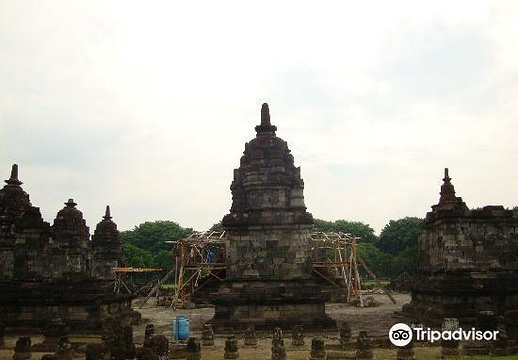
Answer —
375 320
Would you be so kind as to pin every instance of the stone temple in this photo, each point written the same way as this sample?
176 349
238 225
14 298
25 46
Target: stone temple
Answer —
268 274
53 275
468 263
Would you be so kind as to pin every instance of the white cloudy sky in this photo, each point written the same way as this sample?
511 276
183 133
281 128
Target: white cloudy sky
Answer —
146 105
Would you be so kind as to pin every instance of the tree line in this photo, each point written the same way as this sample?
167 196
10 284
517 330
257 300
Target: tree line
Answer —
391 253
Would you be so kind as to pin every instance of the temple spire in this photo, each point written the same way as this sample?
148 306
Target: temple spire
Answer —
13 180
107 215
265 115
266 127
70 203
446 176
447 190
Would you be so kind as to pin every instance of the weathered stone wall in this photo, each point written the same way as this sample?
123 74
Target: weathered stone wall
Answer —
32 235
272 252
476 240
6 263
468 262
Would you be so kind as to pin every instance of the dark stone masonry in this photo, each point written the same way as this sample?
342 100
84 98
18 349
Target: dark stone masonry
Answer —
54 274
468 263
268 281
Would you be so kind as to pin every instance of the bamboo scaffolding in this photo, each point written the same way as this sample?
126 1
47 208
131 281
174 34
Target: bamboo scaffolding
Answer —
196 264
120 278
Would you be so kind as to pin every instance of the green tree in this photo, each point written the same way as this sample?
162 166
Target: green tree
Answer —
216 227
357 228
399 239
137 257
152 236
377 261
163 260
399 235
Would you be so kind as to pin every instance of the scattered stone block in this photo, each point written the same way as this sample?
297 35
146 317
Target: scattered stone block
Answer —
278 349
345 335
207 335
231 348
193 349
297 336
318 348
364 347
250 336
22 350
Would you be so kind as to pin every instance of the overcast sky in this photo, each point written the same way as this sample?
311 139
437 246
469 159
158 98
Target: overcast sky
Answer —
146 106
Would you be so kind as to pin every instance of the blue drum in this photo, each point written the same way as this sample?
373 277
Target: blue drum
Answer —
180 328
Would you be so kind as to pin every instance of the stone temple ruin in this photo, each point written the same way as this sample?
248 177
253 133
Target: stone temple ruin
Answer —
468 263
268 279
53 275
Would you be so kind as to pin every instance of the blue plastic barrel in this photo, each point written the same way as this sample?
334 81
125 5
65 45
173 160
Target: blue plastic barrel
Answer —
180 328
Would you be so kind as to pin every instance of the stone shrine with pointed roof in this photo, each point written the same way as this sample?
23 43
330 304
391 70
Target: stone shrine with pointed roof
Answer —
267 233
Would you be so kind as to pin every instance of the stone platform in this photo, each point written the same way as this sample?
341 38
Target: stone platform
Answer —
267 305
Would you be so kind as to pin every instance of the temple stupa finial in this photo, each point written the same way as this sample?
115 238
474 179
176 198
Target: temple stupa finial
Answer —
447 189
70 203
446 175
13 180
266 127
107 215
265 115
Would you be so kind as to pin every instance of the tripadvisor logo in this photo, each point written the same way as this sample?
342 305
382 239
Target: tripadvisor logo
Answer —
401 334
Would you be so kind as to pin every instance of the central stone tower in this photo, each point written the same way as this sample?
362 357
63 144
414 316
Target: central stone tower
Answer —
268 281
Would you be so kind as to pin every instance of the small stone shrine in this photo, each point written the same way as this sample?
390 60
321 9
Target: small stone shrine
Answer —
207 335
250 337
268 274
54 276
468 263
297 336
318 349
364 347
278 349
231 348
